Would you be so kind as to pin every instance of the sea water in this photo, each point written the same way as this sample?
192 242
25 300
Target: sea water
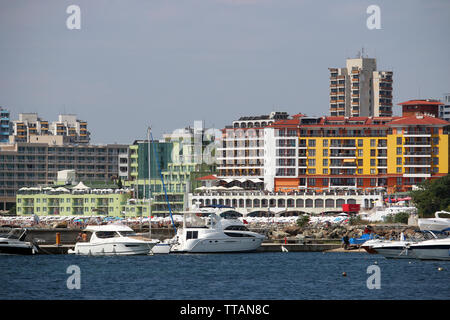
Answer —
254 276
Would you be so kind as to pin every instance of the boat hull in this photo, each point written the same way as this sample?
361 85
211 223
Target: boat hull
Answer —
17 249
125 248
220 245
433 253
395 253
161 248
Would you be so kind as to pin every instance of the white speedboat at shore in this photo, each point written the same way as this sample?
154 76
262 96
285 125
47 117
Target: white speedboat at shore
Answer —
14 243
219 235
394 249
113 239
435 224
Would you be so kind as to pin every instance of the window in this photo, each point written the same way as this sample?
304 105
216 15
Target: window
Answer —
325 143
360 142
312 182
325 152
372 152
312 152
312 143
360 171
311 162
106 234
325 171
372 162
360 162
191 235
399 169
360 152
312 171
325 162
399 161
399 151
373 182
399 140
372 142
373 171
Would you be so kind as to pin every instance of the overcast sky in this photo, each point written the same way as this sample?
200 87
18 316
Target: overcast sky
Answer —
170 62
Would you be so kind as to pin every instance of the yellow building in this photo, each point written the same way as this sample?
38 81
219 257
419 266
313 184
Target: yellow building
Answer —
358 152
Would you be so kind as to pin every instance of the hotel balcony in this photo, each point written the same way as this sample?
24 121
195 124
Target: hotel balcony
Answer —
417 143
343 154
414 153
417 133
342 146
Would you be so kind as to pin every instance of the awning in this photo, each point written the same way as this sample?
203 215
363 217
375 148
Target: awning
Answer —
81 186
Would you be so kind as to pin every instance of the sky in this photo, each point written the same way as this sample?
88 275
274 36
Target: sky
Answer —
167 63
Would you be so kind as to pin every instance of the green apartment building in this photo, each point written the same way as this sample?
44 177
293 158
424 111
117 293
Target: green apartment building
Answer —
68 201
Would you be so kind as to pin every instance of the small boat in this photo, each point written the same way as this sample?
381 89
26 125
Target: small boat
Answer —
435 249
163 247
437 224
395 249
113 239
14 243
219 235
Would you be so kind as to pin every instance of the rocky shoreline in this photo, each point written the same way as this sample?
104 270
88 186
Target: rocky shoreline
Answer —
336 232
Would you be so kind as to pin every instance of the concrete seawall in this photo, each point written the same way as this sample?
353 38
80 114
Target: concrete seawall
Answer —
277 247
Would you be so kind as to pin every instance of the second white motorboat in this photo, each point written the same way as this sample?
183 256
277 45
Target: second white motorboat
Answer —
438 223
435 249
218 235
113 239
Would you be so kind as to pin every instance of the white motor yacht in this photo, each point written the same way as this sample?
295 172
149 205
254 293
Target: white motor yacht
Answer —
435 224
14 243
216 235
113 239
435 249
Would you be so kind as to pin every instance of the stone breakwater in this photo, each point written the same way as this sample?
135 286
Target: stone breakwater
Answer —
336 232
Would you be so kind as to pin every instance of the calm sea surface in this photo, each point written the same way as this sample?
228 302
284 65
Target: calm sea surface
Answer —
223 276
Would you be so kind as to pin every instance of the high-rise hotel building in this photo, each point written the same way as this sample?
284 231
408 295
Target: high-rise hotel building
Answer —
359 90
68 127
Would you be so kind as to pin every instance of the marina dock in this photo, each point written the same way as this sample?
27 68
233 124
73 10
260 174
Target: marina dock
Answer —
297 247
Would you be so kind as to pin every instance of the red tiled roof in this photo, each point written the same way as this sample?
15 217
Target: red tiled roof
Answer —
419 120
420 102
210 177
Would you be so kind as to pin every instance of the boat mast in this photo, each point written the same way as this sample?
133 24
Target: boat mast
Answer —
149 187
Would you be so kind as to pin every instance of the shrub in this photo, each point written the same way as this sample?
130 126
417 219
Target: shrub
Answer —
401 217
303 221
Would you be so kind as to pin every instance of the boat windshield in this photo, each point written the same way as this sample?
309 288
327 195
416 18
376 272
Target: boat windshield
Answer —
14 234
106 234
127 233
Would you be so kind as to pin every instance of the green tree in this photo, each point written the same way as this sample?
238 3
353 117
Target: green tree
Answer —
303 221
12 210
432 196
